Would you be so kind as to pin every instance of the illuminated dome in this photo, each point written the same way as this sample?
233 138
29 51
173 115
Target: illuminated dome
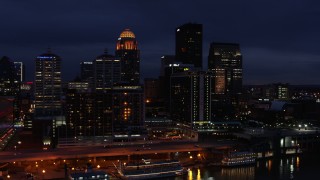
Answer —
127 33
127 41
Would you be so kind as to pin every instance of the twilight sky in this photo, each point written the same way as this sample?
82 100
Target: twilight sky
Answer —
279 39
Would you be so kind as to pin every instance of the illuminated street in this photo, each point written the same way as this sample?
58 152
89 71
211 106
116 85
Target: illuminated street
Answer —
81 152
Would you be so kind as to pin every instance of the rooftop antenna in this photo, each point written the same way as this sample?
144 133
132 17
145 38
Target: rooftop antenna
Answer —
106 50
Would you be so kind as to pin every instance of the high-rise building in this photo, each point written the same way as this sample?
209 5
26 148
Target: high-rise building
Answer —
128 111
80 114
86 72
165 61
112 114
48 98
190 98
169 69
129 54
9 81
20 68
107 71
189 44
225 61
48 85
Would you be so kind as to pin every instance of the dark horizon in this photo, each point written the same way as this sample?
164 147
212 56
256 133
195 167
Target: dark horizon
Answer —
278 40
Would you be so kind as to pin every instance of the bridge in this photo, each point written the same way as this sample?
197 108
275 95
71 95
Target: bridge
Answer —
100 151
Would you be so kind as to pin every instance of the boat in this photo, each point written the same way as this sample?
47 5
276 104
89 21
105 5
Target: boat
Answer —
147 169
239 158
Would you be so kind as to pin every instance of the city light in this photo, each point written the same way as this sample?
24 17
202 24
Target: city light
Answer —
159 101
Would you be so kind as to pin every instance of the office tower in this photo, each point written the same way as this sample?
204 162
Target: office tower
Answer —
189 44
190 99
48 103
225 61
48 85
168 70
165 61
107 71
128 112
129 54
86 72
113 114
20 68
9 81
80 114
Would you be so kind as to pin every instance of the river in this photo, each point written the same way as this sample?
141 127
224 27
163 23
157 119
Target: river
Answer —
299 167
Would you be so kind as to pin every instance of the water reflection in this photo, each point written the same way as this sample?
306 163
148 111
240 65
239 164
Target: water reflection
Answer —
190 175
198 175
286 168
238 173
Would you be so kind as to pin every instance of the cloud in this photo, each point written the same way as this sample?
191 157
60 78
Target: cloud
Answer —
79 29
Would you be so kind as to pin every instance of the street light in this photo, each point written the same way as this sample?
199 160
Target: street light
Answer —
43 171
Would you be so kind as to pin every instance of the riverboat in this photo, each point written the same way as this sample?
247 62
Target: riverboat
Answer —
147 169
239 158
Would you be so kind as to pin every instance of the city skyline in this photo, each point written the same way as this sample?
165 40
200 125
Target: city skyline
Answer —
277 45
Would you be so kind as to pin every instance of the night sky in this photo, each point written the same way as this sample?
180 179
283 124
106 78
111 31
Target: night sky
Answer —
279 39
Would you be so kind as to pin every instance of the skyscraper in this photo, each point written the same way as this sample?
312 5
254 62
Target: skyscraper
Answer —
20 68
189 44
114 114
165 61
9 81
107 71
48 85
86 72
129 54
225 61
190 98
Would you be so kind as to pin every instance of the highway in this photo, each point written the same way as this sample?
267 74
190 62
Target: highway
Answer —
99 151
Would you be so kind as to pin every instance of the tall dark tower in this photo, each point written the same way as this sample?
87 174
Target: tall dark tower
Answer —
86 71
129 54
106 69
9 80
48 85
189 44
225 61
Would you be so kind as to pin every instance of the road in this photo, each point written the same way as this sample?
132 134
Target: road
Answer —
99 151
